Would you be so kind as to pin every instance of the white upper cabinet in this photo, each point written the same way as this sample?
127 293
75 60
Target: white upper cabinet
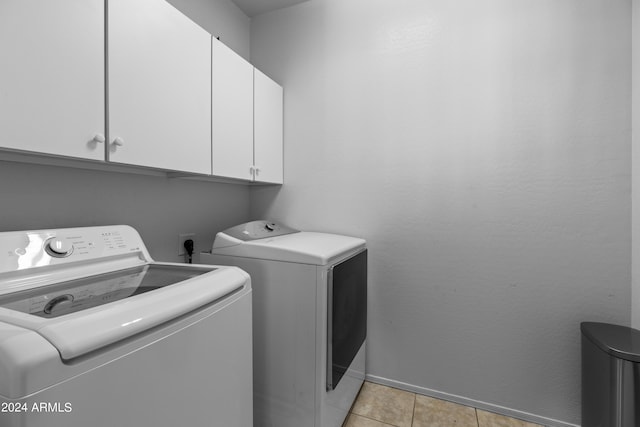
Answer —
159 87
232 114
177 99
268 133
247 120
52 77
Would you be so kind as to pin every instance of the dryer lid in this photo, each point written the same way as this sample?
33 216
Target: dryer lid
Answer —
301 247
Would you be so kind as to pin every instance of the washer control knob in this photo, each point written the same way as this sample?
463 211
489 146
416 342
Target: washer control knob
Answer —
59 248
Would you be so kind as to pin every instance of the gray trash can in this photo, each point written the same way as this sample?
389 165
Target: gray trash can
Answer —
610 375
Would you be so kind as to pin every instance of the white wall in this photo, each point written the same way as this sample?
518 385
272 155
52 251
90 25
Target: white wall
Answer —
222 18
482 148
635 288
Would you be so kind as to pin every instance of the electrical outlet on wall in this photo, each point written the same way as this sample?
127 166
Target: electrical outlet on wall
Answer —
181 238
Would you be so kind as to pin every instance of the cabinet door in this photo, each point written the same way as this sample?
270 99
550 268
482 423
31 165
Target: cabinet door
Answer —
159 87
232 114
52 76
268 123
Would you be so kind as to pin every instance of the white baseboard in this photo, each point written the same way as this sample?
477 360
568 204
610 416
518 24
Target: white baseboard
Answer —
525 416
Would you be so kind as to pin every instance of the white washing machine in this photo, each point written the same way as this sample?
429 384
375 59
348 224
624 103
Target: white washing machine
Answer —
309 320
94 333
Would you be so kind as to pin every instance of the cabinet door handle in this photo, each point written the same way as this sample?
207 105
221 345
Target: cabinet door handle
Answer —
98 138
118 142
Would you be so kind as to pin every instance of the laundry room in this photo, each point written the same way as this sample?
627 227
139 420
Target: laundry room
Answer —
481 153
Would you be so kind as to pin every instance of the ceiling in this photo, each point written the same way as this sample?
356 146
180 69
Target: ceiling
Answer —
255 7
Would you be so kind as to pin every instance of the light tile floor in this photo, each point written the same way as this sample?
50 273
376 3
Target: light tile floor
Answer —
381 406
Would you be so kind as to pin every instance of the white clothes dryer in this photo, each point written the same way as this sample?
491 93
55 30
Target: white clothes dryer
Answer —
93 332
309 320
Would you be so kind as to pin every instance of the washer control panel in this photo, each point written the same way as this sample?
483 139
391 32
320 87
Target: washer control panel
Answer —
37 248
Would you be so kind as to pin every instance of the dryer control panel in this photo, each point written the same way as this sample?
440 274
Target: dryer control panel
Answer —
261 229
249 231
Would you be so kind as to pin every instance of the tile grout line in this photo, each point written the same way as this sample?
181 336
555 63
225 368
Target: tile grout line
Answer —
374 419
413 412
475 410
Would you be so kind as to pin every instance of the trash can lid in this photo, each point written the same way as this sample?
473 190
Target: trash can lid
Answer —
619 341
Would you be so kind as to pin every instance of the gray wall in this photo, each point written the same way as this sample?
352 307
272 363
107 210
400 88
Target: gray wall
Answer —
35 196
482 149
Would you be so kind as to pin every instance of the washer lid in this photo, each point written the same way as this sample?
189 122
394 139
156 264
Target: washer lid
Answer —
80 294
303 247
82 315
